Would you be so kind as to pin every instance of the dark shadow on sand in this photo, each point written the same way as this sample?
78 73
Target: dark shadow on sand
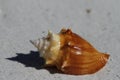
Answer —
33 59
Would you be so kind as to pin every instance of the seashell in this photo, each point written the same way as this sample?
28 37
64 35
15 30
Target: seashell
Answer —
70 53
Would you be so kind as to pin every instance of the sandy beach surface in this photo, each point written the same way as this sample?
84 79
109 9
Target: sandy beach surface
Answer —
98 21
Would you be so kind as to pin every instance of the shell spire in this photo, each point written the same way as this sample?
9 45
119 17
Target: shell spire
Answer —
70 53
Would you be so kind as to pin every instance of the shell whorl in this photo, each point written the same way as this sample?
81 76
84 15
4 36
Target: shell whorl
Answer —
48 47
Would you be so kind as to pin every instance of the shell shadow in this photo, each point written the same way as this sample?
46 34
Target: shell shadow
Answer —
33 59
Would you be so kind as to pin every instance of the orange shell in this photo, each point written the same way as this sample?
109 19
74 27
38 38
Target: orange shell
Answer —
77 56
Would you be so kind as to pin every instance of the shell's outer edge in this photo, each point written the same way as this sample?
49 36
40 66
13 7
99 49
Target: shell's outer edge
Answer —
71 62
81 68
37 43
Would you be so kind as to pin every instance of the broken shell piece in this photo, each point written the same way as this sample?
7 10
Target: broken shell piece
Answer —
70 53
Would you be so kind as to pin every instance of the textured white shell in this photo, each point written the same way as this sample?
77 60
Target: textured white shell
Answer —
48 47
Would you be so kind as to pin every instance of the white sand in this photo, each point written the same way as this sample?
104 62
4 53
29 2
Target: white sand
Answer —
22 20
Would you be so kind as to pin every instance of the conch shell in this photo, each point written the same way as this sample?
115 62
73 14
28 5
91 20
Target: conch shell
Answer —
70 53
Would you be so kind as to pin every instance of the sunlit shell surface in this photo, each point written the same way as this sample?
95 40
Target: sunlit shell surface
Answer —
70 53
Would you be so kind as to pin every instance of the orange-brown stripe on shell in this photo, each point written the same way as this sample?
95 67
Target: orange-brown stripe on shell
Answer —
77 56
